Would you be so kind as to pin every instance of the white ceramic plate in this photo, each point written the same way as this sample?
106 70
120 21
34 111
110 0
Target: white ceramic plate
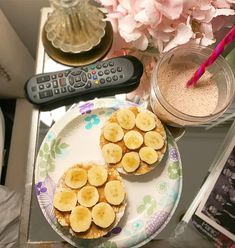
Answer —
151 198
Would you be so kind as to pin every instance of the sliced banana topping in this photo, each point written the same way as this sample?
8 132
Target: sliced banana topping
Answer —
103 214
114 192
126 118
133 139
88 196
112 153
154 139
97 175
76 178
148 155
130 161
113 132
145 121
80 219
65 200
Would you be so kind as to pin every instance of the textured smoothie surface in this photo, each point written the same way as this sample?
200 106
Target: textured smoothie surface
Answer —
201 100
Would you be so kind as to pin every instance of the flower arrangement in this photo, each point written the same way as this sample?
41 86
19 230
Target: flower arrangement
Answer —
164 24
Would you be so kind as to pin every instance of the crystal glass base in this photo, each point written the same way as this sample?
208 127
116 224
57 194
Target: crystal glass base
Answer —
74 26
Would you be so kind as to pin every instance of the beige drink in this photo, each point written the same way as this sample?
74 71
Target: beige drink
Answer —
178 105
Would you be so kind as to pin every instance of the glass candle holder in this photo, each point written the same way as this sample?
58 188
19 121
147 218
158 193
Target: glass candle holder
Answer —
179 106
74 26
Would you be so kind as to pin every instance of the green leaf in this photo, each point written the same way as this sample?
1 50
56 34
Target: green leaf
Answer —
57 150
53 154
147 199
58 142
63 146
42 164
43 173
41 154
150 211
53 144
140 209
51 167
109 244
46 148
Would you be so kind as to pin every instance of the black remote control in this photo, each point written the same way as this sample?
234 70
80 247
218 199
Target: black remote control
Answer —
104 78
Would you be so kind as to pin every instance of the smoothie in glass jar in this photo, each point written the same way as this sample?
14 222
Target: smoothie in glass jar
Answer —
178 105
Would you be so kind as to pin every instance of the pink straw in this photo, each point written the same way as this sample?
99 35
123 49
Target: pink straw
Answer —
214 55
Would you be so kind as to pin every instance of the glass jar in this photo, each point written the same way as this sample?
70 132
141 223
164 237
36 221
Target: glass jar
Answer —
74 26
179 106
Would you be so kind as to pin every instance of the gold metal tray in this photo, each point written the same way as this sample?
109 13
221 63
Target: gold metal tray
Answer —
84 58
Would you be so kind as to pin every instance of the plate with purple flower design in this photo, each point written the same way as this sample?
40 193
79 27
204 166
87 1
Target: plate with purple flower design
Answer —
75 139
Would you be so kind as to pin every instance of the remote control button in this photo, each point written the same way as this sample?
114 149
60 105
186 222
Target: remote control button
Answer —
45 94
78 79
95 77
67 73
48 85
108 79
76 73
60 74
88 85
119 69
105 65
57 91
115 77
63 90
43 79
98 66
70 89
89 75
55 83
92 67
96 81
85 69
106 72
71 80
102 80
84 78
121 76
41 87
62 81
54 76
111 63
113 70
33 88
78 85
100 73
93 72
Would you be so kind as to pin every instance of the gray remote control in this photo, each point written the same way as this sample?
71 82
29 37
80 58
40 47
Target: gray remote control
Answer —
104 78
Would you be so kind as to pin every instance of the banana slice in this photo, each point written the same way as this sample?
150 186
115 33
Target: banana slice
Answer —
65 200
145 121
130 161
76 178
153 139
126 118
80 219
103 214
148 155
97 175
133 139
88 196
113 132
112 153
114 192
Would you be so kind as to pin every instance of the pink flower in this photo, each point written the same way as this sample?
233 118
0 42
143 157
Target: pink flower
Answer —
164 24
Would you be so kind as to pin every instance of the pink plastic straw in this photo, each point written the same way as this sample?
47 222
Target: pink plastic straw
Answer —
214 55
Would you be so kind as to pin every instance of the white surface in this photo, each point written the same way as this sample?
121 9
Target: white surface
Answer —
16 63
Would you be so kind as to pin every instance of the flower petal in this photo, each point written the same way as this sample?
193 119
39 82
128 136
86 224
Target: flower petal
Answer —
183 35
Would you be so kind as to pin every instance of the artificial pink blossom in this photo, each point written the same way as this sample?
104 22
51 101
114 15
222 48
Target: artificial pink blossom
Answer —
164 24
